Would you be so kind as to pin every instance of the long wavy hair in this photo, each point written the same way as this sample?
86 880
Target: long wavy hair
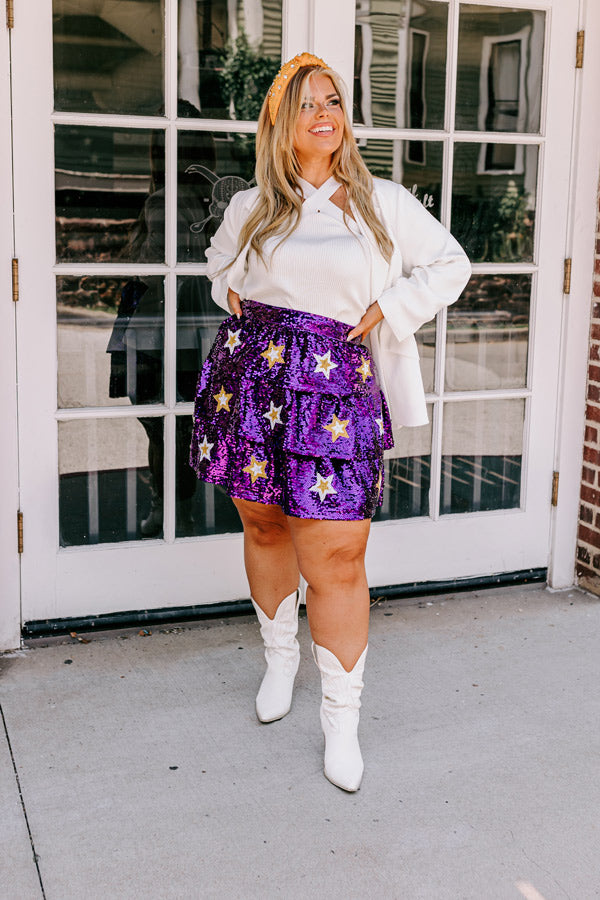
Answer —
277 212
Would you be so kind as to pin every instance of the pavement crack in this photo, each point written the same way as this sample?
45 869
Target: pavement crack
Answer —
546 872
22 799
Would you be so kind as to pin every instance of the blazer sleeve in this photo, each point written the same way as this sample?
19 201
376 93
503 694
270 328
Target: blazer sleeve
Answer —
222 253
435 268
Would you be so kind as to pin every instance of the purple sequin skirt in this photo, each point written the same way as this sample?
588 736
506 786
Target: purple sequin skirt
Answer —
288 412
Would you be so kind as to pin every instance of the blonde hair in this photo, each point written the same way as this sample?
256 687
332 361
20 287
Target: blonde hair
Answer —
278 210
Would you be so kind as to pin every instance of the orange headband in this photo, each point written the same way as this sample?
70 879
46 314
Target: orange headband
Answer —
282 79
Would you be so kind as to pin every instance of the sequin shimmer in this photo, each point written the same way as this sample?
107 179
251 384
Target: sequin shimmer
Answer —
272 427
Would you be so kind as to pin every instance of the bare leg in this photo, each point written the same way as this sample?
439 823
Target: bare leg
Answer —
269 554
331 557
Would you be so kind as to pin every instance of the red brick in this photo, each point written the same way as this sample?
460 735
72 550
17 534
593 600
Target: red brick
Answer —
597 524
596 308
597 266
596 289
591 434
595 331
589 495
586 514
590 537
588 475
598 245
593 393
583 554
592 413
594 373
591 455
583 571
595 352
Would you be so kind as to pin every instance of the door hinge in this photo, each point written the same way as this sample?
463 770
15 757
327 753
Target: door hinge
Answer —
19 532
15 280
579 50
10 14
555 489
567 276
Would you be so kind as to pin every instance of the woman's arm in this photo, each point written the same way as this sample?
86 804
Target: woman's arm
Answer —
435 270
223 251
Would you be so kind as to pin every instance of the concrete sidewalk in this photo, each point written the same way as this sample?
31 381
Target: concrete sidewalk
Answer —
140 770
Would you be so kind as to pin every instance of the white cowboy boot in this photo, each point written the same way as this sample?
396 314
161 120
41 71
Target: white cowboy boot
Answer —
282 653
339 718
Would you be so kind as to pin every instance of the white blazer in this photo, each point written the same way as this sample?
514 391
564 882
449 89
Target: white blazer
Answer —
428 271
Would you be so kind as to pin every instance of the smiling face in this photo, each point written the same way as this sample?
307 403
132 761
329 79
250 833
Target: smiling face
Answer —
319 128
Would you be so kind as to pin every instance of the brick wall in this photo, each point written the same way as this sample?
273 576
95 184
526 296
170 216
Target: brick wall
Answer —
588 538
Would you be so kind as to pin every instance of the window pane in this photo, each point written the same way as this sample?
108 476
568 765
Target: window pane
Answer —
110 340
110 194
419 170
109 57
482 449
499 77
229 53
488 334
400 64
211 168
407 475
493 201
110 480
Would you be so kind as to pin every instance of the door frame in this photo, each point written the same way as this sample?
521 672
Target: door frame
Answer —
213 555
10 619
581 239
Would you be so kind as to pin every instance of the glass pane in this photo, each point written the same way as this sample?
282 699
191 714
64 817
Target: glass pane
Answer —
426 343
493 201
110 194
110 480
499 77
211 168
198 319
400 64
407 475
108 57
415 164
482 449
110 340
488 334
229 53
201 508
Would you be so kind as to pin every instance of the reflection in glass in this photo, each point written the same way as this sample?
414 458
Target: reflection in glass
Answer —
198 319
400 65
426 343
488 334
493 212
407 475
211 168
482 449
108 57
202 508
392 160
110 340
499 76
109 194
105 490
229 53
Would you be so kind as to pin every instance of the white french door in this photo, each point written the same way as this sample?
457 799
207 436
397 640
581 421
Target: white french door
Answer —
134 125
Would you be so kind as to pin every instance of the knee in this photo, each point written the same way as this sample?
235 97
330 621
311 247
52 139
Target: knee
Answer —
265 533
341 564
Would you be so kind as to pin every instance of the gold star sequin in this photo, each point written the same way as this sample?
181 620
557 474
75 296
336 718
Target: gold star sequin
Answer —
323 486
222 399
255 468
274 415
364 370
380 423
325 364
233 340
337 428
205 449
274 354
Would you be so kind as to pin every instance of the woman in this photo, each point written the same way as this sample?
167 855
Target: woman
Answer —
290 414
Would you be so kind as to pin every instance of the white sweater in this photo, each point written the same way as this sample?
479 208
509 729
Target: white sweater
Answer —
428 270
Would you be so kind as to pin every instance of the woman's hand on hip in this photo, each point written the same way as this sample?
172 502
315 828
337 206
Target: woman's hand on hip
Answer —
368 322
234 302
